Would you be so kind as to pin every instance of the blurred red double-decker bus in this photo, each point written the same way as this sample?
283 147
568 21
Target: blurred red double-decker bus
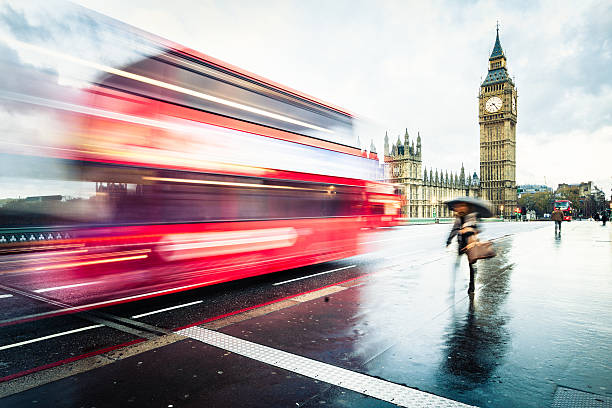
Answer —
198 172
566 207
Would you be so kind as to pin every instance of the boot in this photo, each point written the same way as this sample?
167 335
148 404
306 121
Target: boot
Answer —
472 271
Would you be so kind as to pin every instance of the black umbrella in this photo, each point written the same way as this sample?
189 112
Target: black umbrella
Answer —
482 207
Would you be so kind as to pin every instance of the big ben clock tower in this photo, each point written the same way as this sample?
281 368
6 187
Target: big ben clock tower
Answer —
497 119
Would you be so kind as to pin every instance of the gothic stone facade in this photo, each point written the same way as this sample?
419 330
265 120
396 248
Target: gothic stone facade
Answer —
497 119
424 192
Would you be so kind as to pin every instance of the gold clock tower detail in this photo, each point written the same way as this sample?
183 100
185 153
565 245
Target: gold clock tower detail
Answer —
497 118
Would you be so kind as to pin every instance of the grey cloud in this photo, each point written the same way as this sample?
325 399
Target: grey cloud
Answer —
568 82
59 22
69 29
18 25
594 60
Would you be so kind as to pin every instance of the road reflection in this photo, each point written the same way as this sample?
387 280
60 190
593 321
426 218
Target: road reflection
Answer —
478 340
557 244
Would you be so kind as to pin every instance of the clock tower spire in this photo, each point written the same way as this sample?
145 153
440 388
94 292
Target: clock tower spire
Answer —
497 119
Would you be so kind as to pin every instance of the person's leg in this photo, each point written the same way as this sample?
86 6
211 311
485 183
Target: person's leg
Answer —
471 287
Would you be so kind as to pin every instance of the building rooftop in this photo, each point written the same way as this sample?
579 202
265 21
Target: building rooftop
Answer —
497 48
497 75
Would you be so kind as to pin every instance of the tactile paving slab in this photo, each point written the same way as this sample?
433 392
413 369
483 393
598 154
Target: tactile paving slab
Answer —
365 384
570 398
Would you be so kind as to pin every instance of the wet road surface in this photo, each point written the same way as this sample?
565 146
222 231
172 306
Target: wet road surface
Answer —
539 323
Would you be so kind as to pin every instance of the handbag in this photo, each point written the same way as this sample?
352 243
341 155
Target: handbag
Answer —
479 250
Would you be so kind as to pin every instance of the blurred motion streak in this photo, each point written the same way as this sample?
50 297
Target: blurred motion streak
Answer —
136 77
224 243
100 261
146 168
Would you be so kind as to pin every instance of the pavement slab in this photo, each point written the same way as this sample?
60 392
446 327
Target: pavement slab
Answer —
186 374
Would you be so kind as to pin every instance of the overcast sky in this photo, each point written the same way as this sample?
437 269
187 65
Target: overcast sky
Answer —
418 65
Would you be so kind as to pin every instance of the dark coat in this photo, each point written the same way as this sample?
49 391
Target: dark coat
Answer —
463 228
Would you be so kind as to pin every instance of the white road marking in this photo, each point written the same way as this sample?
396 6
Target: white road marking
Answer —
5 296
166 309
21 343
64 287
108 302
362 383
310 276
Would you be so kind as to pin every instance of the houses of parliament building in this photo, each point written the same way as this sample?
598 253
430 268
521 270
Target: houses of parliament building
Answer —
425 191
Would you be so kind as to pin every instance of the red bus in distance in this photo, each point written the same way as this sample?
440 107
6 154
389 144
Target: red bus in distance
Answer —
566 207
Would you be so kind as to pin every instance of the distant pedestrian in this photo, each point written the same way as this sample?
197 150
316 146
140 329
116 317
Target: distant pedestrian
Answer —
557 217
465 228
604 217
596 216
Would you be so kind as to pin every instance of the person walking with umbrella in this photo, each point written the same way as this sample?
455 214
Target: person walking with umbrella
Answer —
467 211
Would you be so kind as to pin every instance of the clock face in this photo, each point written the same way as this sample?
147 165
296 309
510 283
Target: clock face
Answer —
514 104
493 104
